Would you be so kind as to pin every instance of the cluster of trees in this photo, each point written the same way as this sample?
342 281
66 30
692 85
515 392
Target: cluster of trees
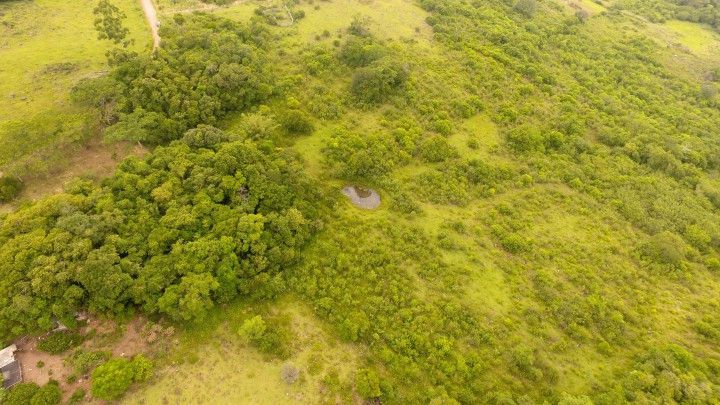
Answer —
173 233
378 73
206 68
32 394
363 282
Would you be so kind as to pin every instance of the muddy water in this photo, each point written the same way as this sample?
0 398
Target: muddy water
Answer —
364 198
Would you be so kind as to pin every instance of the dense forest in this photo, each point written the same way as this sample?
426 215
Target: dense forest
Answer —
597 207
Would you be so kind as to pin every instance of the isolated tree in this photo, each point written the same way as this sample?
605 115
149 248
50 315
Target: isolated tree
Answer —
109 23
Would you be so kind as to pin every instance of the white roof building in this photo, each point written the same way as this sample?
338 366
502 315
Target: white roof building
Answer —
10 367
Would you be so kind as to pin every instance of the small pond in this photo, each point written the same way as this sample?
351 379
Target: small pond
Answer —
365 198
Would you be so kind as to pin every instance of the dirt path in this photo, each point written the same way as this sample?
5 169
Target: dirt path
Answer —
152 19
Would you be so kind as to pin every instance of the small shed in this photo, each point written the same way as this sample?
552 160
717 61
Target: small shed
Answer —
10 367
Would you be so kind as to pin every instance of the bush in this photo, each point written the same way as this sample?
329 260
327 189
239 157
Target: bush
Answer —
49 394
10 187
60 342
367 384
21 394
111 380
84 362
435 149
665 248
271 337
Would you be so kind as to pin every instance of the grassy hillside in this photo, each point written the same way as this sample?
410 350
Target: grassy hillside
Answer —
47 47
549 226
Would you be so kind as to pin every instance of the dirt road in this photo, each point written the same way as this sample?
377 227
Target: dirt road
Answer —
152 19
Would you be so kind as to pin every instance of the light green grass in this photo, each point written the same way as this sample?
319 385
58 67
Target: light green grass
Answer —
389 19
35 37
221 369
700 39
479 129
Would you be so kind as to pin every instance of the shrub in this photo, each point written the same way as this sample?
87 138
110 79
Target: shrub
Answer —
10 187
60 342
358 27
665 248
21 394
271 338
84 362
290 374
367 383
526 139
404 203
142 367
77 397
112 379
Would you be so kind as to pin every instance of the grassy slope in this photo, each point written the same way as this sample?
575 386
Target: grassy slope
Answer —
574 236
211 365
35 111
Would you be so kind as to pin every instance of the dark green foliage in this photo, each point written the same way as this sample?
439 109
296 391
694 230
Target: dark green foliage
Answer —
59 342
174 233
206 68
378 81
10 187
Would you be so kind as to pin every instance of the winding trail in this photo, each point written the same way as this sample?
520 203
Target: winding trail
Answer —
152 19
